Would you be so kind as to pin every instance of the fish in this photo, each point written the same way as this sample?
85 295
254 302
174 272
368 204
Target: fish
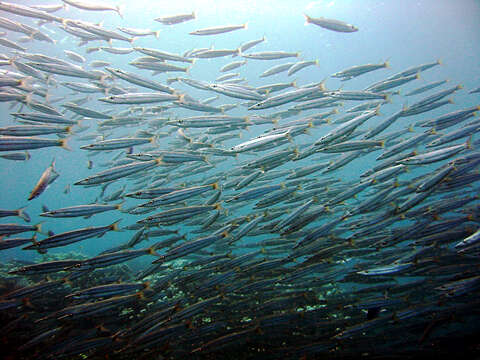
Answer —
259 223
70 237
80 210
176 19
139 32
331 24
48 176
9 143
270 55
218 29
93 6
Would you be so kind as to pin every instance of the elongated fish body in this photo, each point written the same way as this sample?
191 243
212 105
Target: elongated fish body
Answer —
18 212
175 19
383 125
190 247
331 24
357 95
218 30
358 70
44 181
178 214
66 70
46 118
86 112
118 172
455 135
277 69
13 243
108 290
180 195
426 87
451 118
352 146
80 210
97 30
163 55
141 81
139 32
44 267
12 229
33 130
270 55
18 156
14 26
239 92
435 97
414 70
28 11
415 110
386 270
233 65
390 84
412 141
83 87
197 106
255 192
259 141
160 66
74 56
117 143
9 143
214 53
435 178
434 156
301 65
249 44
139 98
471 240
116 50
345 128
92 6
70 237
286 97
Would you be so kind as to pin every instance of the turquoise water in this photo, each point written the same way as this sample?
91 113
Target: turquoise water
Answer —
406 33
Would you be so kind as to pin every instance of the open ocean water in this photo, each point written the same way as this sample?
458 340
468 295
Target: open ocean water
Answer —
373 262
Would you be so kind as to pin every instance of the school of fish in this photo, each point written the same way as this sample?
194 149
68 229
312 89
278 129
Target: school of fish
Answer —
320 266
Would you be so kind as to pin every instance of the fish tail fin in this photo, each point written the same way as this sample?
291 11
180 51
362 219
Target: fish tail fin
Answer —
245 26
114 226
119 10
25 83
308 19
468 143
38 227
22 213
157 34
64 144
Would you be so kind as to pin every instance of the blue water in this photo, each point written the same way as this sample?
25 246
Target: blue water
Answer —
406 33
